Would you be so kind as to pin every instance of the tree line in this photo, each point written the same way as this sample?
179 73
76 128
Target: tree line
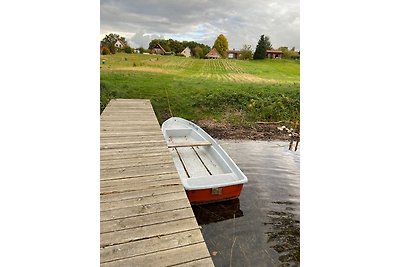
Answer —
198 50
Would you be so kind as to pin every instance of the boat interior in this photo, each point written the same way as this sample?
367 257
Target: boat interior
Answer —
198 163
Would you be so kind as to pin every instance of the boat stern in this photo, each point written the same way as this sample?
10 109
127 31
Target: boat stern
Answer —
209 195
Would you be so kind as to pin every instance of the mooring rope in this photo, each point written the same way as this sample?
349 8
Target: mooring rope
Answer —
169 106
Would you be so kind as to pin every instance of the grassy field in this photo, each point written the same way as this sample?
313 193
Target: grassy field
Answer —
232 91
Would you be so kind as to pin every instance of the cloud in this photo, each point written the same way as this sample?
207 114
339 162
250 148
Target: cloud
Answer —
142 39
242 22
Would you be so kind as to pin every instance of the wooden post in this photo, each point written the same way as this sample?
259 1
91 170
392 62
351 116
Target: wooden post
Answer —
297 142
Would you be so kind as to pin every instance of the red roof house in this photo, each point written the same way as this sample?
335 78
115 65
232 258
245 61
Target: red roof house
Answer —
213 54
273 53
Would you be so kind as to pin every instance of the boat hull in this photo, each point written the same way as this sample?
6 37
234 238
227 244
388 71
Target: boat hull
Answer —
209 195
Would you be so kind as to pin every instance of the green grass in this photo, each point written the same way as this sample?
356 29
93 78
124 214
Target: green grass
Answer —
234 91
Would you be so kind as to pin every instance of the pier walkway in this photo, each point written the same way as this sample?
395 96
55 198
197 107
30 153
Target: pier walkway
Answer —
145 216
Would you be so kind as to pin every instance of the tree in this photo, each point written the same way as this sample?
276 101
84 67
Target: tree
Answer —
289 54
110 41
267 42
263 45
261 49
246 52
175 46
112 38
221 45
198 52
128 49
105 50
112 49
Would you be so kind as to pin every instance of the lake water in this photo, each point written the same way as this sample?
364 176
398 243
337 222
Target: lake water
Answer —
262 227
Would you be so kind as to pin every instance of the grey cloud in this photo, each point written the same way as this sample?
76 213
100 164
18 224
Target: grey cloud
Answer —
241 21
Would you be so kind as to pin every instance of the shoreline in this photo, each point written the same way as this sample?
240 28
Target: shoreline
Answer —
261 131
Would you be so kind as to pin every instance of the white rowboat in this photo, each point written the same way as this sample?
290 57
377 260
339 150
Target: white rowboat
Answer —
207 173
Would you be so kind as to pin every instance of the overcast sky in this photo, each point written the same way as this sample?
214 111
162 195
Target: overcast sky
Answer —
241 21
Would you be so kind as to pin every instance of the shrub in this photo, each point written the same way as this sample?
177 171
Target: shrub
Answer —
198 52
112 49
105 96
246 52
105 51
128 50
259 105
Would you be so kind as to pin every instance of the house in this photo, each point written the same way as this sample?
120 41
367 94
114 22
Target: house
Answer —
158 49
213 54
119 44
273 53
232 54
186 52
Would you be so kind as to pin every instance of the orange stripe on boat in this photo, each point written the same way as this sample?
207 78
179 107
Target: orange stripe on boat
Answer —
203 196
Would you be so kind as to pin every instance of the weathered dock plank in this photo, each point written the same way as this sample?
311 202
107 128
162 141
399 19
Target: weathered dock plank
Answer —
168 257
151 245
145 216
143 209
149 219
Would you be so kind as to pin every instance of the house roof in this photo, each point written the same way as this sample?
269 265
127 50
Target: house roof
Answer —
233 51
119 41
160 47
275 51
213 53
186 52
187 47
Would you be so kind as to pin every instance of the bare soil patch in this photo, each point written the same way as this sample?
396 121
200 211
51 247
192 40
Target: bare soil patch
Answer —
261 131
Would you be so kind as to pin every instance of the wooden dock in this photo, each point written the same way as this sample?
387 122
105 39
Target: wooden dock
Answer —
145 216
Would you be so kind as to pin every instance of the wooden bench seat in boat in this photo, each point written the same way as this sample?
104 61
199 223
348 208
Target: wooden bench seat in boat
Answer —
188 144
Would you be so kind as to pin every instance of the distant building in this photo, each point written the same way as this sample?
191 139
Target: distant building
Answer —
119 44
186 52
232 54
273 54
213 54
158 49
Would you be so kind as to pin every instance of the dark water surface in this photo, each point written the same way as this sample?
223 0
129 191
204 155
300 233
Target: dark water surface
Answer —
262 227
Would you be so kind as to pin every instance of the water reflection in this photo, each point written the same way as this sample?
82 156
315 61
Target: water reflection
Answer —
216 212
262 228
284 236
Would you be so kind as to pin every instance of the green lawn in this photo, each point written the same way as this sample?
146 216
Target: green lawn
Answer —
234 91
